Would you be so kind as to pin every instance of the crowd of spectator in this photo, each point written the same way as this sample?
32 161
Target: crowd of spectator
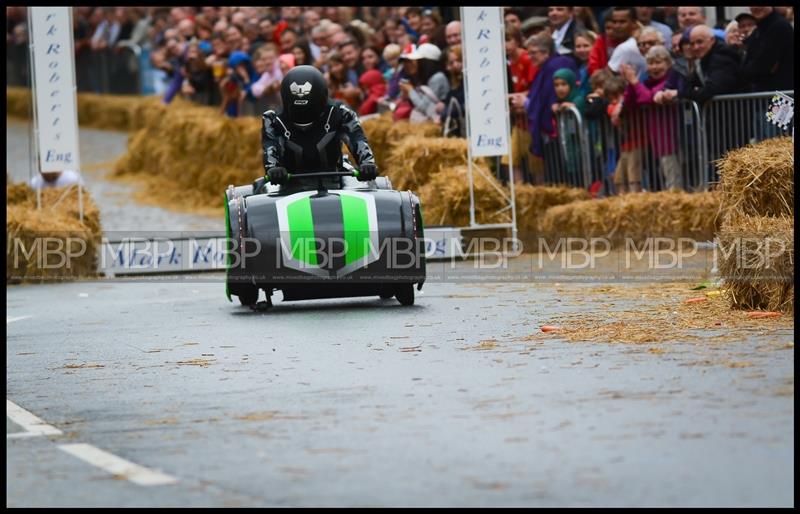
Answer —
602 62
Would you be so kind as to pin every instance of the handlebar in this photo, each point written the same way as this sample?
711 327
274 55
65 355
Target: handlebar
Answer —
324 174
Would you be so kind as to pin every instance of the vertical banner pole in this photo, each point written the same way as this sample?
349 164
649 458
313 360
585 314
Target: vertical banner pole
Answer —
469 133
508 131
34 166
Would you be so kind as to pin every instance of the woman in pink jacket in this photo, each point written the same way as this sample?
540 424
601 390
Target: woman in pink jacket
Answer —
661 121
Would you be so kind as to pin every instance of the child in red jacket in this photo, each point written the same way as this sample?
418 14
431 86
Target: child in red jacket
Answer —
374 87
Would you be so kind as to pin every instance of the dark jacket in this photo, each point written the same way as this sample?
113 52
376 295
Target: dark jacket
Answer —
541 97
317 149
720 69
769 55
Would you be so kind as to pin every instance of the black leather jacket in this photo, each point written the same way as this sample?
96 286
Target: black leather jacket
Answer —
318 148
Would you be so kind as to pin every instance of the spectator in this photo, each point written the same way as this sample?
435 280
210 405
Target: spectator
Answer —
288 39
107 32
266 30
452 33
534 25
302 54
562 28
391 55
542 95
512 17
431 30
645 16
647 39
351 55
603 46
412 21
624 28
628 173
308 21
769 52
371 60
266 90
339 83
235 40
427 84
452 108
318 42
584 41
746 24
521 67
568 96
198 80
717 68
373 87
585 16
692 16
662 124
605 85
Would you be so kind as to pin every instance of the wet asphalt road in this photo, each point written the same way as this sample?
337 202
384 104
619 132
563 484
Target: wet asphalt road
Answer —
361 402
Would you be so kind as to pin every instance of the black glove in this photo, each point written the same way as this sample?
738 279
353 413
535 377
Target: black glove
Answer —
368 171
277 175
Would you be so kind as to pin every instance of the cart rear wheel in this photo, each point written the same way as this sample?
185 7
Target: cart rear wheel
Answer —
248 295
405 294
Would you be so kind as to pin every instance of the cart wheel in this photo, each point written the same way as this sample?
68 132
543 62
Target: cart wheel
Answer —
387 291
248 295
405 294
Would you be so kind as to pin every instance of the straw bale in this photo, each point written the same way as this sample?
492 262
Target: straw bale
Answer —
637 216
383 133
758 179
417 159
445 198
533 201
756 261
58 219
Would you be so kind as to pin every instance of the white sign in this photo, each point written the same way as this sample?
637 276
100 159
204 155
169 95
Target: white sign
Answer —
54 86
136 255
483 41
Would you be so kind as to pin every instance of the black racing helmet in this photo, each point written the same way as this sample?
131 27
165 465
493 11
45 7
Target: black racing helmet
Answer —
304 94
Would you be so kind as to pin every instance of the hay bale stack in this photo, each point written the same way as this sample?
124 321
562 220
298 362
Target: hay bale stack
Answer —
417 159
196 151
58 220
756 259
757 185
18 102
636 216
533 202
383 133
758 180
445 197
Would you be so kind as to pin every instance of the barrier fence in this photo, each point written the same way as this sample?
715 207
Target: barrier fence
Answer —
671 146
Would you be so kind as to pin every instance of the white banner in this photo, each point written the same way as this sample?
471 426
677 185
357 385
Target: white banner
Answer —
485 74
54 88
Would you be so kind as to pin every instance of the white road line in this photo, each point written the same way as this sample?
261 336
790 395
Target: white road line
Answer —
117 465
33 425
12 319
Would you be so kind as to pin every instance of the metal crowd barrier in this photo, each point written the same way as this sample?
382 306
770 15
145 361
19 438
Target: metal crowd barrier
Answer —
732 121
116 70
676 144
